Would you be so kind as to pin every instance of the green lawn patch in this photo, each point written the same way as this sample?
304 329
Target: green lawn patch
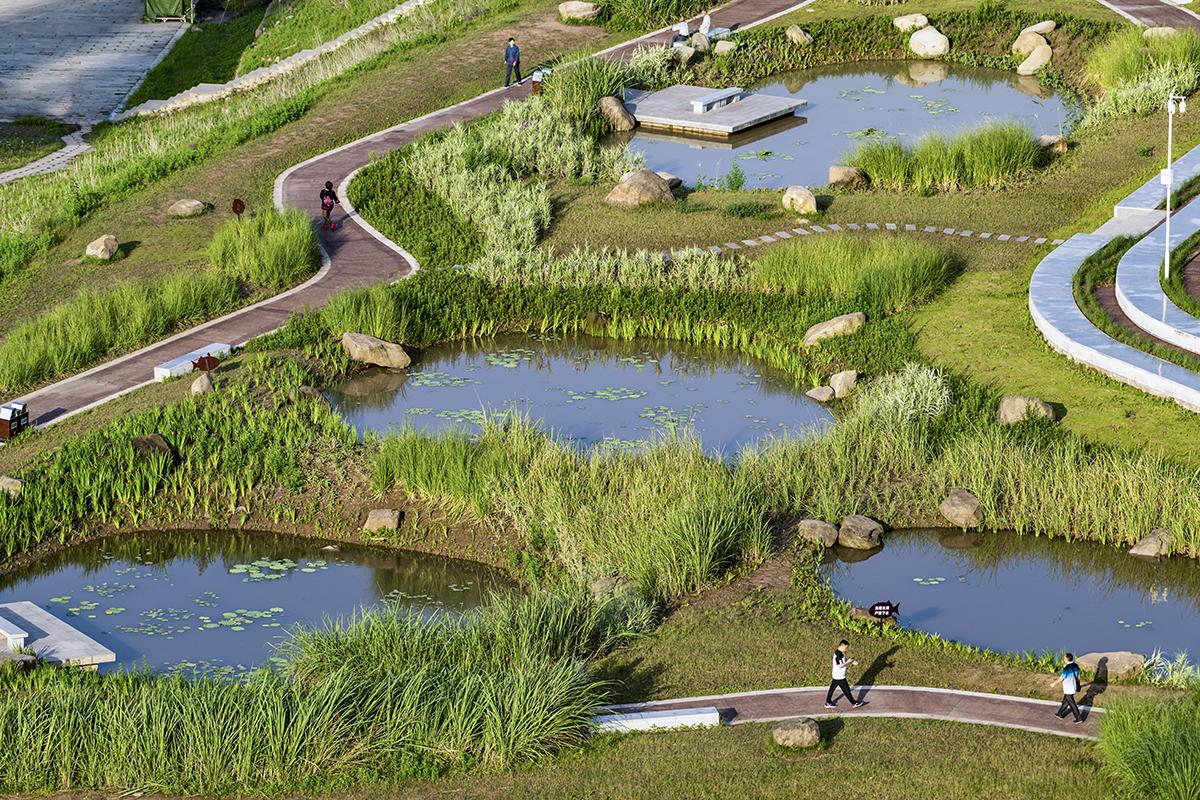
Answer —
27 139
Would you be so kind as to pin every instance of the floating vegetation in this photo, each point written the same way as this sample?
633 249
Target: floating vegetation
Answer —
418 410
509 359
764 155
108 589
438 379
1144 623
608 393
267 570
463 416
929 581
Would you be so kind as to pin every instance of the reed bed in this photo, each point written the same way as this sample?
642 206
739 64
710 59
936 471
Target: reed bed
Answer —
692 269
985 157
1153 747
269 248
576 89
884 275
378 698
1134 74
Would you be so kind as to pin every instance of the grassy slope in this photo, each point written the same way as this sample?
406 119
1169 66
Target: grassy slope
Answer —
297 25
355 107
865 758
28 139
208 53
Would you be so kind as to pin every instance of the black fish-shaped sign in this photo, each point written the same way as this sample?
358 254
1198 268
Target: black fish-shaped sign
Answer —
885 610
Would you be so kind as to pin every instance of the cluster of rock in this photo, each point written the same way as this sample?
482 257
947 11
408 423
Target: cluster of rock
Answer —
840 385
207 92
856 532
926 41
578 11
1031 45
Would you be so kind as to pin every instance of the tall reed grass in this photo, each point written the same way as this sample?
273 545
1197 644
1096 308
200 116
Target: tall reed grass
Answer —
985 157
576 89
647 15
380 698
883 275
1135 74
1153 747
692 269
269 248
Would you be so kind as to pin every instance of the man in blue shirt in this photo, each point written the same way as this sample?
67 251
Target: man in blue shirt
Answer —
1070 683
512 61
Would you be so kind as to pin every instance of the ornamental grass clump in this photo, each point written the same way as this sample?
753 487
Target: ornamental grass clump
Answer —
1134 73
880 274
691 269
1153 746
268 248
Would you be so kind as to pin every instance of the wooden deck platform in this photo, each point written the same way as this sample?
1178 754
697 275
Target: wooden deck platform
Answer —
671 109
53 640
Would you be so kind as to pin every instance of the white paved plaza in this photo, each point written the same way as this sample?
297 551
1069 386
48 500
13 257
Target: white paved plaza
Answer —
74 60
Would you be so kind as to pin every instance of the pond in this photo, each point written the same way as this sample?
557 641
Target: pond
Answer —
592 391
847 104
216 602
1012 593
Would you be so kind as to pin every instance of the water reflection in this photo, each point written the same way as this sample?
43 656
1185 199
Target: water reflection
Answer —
591 390
221 599
1013 593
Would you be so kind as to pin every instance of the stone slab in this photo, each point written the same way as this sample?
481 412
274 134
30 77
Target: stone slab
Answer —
54 640
183 364
670 719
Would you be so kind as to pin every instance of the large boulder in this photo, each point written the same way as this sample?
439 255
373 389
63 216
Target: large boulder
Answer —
684 53
578 11
202 384
841 177
1159 32
151 445
929 43
1155 544
617 115
382 519
1026 43
673 181
700 42
817 530
962 509
911 22
1041 28
640 188
1052 142
1014 409
10 486
370 350
843 382
860 533
838 326
798 733
102 248
799 200
724 46
1039 58
182 209
822 394
1117 665
798 34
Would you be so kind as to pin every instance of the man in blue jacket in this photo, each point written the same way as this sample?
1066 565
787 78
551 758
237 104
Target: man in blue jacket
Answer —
512 61
1070 683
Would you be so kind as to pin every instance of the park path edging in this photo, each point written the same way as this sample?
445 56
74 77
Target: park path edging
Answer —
73 147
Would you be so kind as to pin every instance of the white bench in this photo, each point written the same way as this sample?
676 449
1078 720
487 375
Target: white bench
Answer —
183 365
670 719
722 97
13 636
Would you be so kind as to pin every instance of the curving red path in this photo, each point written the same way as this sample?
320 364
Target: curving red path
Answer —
916 702
354 255
1154 13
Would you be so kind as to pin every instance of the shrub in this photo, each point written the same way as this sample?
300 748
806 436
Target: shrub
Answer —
985 157
881 274
268 248
1153 747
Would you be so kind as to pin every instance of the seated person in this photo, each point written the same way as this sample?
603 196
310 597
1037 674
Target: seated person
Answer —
681 32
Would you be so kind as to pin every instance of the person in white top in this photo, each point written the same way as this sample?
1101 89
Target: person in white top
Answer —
681 32
840 662
706 24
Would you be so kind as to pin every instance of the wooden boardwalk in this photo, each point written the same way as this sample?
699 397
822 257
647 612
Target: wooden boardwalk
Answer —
915 702
354 255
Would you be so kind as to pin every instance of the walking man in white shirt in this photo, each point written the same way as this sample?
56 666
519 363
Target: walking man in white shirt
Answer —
840 662
1070 683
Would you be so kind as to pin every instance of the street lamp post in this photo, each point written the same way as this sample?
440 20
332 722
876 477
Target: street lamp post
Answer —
1175 104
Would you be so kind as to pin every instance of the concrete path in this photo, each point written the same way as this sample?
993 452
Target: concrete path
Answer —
354 255
75 60
1154 13
915 702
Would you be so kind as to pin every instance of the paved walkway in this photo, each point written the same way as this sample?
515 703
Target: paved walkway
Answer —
1154 13
75 60
354 255
889 701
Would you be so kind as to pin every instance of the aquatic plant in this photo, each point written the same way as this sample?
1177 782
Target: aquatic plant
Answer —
982 157
269 248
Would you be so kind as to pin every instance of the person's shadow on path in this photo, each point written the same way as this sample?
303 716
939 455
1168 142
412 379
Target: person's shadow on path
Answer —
1095 688
881 662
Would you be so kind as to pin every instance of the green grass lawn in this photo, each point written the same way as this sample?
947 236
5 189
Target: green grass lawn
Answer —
208 53
27 139
863 759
